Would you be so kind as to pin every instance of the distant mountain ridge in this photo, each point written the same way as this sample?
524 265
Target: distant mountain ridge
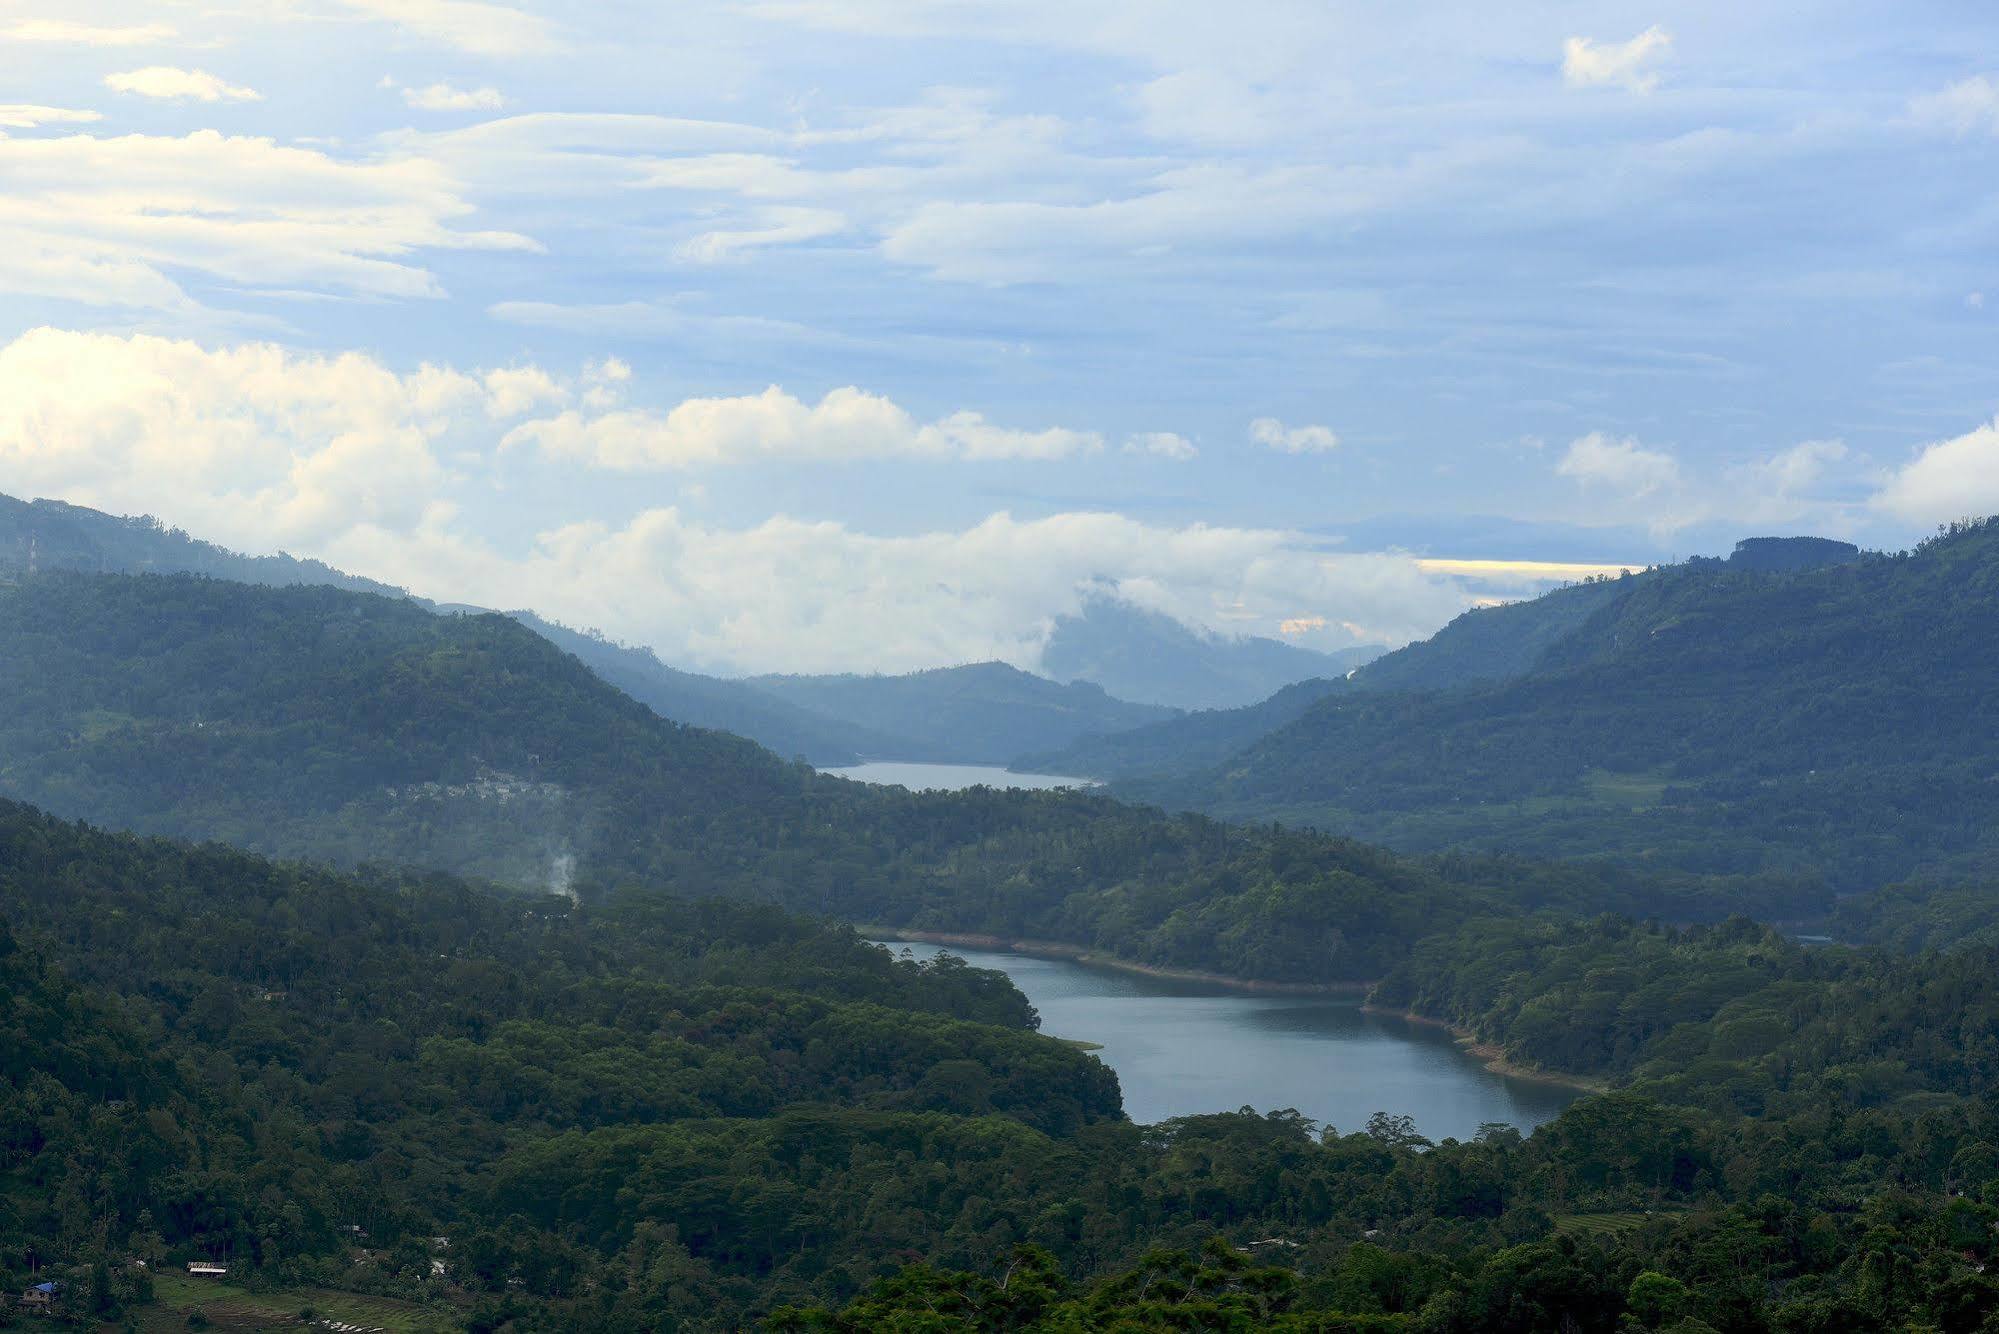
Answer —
985 712
1151 658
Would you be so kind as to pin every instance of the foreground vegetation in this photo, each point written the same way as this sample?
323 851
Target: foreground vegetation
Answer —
644 1113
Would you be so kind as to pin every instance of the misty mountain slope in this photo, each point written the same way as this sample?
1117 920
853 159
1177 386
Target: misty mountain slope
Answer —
1190 744
708 701
985 713
58 536
1146 656
52 535
1839 721
348 728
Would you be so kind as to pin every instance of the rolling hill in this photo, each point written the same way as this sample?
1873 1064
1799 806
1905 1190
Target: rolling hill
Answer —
1832 717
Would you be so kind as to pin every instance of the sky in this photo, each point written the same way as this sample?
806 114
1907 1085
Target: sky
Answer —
814 335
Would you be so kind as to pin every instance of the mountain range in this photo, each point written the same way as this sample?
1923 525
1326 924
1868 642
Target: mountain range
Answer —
982 713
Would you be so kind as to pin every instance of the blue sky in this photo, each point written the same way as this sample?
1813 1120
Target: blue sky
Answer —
812 335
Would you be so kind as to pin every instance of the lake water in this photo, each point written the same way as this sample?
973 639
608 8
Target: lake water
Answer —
1184 1048
950 777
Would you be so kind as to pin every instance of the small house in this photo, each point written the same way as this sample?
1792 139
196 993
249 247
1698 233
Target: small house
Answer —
40 1297
206 1269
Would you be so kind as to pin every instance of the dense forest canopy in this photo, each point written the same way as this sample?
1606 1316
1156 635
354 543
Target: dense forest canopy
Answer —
644 1113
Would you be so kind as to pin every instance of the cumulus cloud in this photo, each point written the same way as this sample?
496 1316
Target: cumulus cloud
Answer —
253 445
1163 444
20 116
87 34
1951 479
793 595
521 389
1589 63
443 97
1274 434
846 424
171 84
341 457
1622 466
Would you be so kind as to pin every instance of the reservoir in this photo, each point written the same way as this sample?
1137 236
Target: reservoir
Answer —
950 777
1182 1048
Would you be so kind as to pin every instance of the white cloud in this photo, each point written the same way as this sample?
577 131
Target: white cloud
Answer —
340 457
1798 469
469 25
443 97
1951 479
20 116
1963 107
792 595
121 221
846 424
1274 434
87 34
1589 63
1164 444
253 445
520 389
769 227
179 85
1623 466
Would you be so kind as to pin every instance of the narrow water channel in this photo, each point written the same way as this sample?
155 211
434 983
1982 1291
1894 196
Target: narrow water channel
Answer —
1184 1048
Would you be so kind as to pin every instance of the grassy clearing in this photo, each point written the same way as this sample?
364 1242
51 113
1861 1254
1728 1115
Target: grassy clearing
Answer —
1636 792
1604 1225
237 1309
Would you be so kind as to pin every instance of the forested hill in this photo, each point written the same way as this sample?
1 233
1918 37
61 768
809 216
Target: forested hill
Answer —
1839 721
208 1056
50 535
1188 744
983 713
356 729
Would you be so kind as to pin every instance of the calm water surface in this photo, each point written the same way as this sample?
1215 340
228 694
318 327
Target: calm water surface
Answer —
1183 1048
950 777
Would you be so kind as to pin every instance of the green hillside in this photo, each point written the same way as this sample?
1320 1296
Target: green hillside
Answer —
1186 744
1837 722
352 729
50 535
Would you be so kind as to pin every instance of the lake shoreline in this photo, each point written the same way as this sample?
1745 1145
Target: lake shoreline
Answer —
1055 949
1494 1058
